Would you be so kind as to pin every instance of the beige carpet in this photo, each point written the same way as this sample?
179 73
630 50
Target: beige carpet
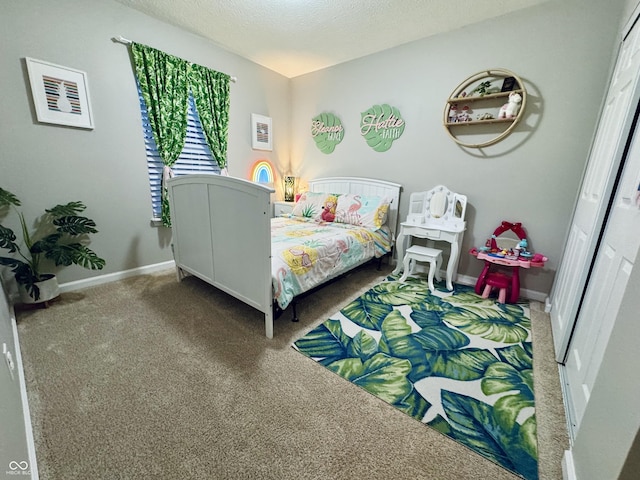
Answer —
147 378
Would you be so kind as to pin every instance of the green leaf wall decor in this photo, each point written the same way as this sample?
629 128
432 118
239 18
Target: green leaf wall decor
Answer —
380 126
327 132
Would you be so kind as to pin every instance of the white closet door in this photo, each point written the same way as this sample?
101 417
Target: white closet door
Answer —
604 161
615 260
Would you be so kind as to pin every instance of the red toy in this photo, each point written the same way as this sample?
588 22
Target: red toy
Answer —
507 284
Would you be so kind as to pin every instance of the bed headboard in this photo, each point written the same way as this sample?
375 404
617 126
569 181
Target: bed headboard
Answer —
363 186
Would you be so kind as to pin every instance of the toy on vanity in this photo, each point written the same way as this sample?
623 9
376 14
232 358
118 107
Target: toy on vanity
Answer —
509 249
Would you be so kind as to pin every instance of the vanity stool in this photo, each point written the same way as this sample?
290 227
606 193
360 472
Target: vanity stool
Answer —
418 253
499 281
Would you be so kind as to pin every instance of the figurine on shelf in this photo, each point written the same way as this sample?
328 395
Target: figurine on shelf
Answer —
464 115
511 108
484 116
453 113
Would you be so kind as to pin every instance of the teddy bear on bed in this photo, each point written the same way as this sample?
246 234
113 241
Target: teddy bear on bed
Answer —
329 208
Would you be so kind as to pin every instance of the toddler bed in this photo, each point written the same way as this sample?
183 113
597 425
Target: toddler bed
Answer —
223 233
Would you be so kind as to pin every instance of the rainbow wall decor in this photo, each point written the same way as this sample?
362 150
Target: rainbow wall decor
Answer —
262 172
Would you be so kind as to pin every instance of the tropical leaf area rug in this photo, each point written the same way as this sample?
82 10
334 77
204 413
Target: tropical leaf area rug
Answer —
459 363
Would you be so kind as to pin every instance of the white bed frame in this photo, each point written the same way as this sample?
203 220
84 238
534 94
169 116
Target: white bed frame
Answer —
222 230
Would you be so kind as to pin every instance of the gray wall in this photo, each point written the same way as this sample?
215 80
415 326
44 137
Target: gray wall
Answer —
533 175
106 167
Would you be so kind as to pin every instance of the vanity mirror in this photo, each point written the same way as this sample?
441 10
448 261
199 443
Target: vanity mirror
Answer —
438 204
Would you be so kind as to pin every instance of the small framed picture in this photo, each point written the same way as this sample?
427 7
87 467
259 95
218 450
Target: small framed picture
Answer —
509 84
60 94
261 132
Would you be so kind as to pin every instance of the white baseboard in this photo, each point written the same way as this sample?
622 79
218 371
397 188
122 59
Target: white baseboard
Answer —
568 470
568 404
158 267
112 277
547 305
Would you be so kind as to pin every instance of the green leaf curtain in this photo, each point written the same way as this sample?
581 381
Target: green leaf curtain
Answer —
165 82
210 91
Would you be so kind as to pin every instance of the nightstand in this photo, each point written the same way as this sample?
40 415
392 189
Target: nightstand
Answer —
282 208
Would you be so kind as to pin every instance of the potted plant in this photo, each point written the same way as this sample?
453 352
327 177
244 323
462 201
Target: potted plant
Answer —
60 236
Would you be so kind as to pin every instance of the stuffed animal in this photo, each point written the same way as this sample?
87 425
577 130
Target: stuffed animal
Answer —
511 108
329 208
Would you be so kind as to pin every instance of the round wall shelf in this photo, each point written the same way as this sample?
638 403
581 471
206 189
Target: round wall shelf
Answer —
484 93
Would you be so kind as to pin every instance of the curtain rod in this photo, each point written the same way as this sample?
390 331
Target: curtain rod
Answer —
126 41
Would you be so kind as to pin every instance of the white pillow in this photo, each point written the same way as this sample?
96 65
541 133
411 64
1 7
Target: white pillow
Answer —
368 211
309 205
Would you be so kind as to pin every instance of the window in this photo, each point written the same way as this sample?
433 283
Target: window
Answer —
196 156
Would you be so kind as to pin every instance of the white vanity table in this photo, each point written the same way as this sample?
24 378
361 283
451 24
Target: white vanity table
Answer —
436 215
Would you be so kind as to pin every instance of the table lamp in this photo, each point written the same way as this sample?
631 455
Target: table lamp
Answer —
289 188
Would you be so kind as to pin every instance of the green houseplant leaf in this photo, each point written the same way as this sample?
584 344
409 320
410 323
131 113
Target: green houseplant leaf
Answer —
74 225
70 209
8 239
61 237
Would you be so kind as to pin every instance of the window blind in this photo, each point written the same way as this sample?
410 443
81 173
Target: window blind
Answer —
196 156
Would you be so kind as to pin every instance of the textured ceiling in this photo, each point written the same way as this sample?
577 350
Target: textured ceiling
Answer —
294 37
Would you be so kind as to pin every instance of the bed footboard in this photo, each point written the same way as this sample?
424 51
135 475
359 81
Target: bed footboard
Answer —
222 235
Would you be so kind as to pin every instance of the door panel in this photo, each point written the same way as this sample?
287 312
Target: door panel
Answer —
614 263
597 187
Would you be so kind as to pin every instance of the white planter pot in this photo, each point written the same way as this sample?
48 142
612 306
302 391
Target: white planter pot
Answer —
48 290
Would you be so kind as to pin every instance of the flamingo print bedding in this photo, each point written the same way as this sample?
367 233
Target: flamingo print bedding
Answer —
305 252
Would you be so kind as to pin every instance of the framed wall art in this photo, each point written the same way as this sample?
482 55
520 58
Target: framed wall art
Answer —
261 132
60 94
